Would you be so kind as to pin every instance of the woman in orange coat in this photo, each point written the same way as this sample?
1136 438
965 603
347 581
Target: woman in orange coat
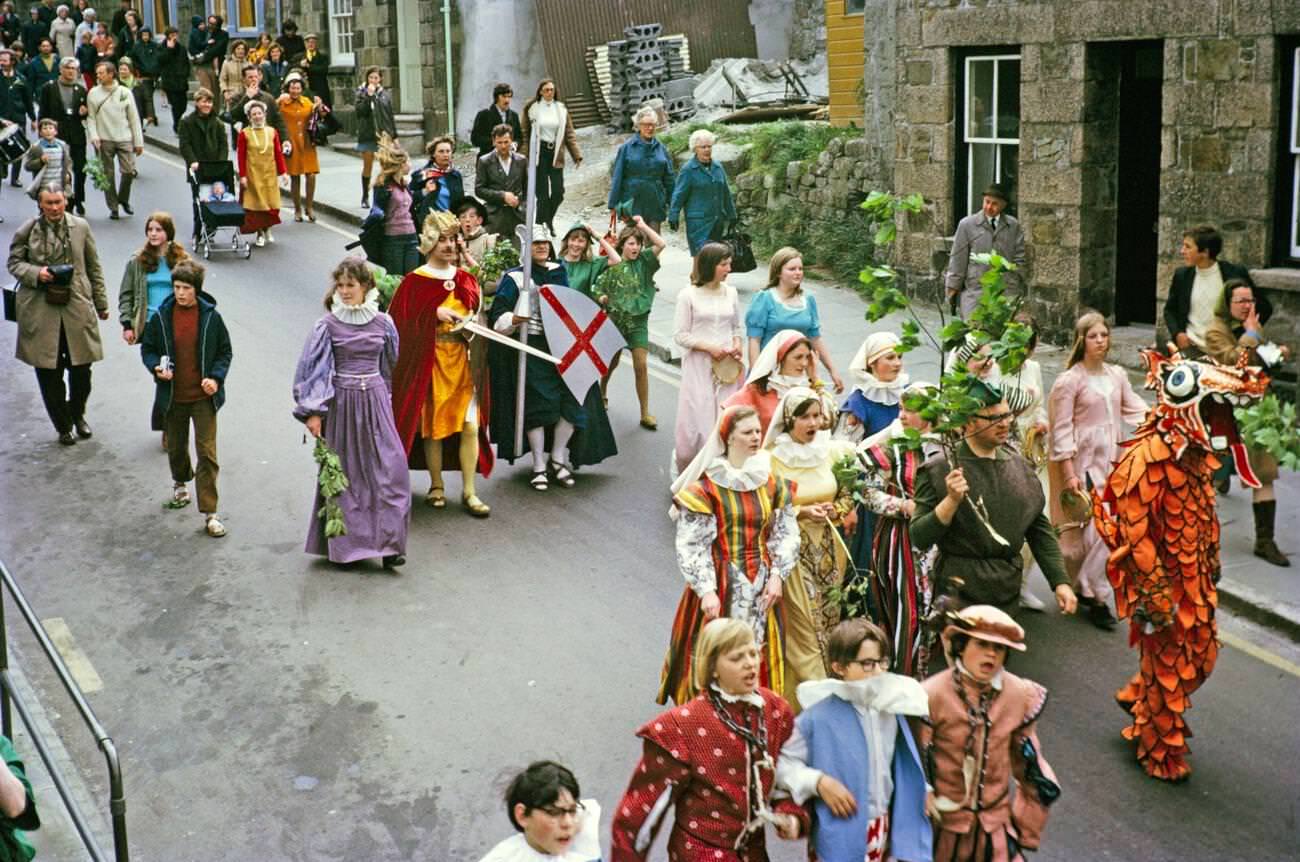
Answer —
296 109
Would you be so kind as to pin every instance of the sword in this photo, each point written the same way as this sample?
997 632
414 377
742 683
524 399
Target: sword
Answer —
502 338
525 232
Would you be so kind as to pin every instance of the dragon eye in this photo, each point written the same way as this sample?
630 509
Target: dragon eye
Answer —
1180 383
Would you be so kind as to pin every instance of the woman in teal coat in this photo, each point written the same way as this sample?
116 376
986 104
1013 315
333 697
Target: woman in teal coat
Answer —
703 192
643 174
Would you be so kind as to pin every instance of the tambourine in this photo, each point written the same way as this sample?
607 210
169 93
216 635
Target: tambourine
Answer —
1034 448
1077 509
727 370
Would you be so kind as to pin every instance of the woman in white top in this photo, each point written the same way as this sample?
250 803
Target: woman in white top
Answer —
546 115
707 326
1087 408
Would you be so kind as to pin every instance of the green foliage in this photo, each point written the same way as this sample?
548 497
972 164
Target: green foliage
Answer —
837 247
386 283
776 145
854 595
332 482
95 173
501 258
621 283
1270 424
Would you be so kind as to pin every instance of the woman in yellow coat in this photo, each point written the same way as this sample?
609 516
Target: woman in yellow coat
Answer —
296 109
804 454
261 163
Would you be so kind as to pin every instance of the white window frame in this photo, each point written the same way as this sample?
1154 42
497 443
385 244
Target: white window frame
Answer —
231 20
1293 229
967 140
342 52
156 27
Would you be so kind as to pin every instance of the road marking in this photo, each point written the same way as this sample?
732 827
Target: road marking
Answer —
83 672
1260 653
180 166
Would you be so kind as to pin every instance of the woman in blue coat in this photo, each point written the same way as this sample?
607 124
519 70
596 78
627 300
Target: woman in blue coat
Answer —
702 191
643 174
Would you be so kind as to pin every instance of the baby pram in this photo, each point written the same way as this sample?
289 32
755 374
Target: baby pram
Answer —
210 216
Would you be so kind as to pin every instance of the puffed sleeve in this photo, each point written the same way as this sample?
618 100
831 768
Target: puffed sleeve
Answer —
875 496
1036 783
683 319
1060 407
696 532
640 813
388 359
756 316
1133 408
313 380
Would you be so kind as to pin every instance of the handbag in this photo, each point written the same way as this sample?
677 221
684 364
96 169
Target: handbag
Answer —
11 303
742 249
59 291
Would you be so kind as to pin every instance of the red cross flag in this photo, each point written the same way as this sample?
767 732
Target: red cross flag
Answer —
581 334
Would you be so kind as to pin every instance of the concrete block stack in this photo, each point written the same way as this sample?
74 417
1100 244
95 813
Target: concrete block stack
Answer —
647 67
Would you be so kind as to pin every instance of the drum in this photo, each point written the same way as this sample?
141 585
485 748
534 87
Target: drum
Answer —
13 143
727 370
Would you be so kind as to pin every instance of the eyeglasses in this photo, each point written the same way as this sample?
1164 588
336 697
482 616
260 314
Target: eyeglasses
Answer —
557 812
996 417
1243 302
870 664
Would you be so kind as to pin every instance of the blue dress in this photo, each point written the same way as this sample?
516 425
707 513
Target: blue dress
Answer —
703 193
874 417
643 177
767 316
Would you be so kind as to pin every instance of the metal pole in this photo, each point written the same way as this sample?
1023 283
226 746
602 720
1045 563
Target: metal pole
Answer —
525 232
6 719
446 38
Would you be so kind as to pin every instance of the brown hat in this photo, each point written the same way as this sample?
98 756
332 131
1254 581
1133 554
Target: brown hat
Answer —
987 623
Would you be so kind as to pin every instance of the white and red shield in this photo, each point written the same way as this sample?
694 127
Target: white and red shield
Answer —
581 334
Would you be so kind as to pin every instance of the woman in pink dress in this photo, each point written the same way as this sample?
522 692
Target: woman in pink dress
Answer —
708 326
1087 408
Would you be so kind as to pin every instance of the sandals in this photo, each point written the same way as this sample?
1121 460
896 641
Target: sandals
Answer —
436 498
563 473
648 423
297 216
214 527
180 496
311 216
475 506
539 481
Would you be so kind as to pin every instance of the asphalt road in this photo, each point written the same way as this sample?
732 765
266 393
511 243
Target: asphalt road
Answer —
270 706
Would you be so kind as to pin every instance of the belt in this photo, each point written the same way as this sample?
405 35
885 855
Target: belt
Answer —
355 381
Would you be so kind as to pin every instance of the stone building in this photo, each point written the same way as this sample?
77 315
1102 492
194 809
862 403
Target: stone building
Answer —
1116 123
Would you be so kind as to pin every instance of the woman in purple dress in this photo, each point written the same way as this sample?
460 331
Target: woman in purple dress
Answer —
342 390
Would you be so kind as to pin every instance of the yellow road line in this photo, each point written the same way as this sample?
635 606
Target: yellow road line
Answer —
78 664
1260 653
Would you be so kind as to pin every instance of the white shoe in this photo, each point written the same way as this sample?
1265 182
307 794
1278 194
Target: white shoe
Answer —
1031 602
270 237
214 527
260 241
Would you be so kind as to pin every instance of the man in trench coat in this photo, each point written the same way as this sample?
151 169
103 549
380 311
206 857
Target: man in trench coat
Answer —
58 325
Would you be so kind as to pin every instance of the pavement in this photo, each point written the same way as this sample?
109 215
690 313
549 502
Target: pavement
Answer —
268 705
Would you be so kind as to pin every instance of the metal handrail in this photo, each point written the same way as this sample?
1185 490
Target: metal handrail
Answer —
8 696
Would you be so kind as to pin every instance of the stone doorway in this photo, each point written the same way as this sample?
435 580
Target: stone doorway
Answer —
1121 179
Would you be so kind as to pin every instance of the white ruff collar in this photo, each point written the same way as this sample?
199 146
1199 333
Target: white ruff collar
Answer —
792 453
882 393
356 314
750 475
753 698
886 692
780 384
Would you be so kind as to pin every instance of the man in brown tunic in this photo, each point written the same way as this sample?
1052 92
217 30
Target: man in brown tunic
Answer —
973 566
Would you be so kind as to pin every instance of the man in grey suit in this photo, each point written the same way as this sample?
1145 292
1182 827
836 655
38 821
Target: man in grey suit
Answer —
500 181
991 229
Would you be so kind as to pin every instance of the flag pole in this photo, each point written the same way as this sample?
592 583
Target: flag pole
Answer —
525 232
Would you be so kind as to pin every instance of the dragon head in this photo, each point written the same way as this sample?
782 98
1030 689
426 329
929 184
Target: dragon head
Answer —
1195 399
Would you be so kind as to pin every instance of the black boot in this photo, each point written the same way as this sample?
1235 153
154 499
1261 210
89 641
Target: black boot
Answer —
1265 548
365 193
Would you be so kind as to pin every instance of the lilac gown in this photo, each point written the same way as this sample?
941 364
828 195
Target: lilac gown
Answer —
344 375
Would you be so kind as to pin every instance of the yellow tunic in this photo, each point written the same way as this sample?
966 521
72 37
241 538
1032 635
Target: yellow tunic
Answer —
809 613
451 389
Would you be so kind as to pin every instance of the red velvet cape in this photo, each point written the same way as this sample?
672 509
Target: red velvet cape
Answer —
414 310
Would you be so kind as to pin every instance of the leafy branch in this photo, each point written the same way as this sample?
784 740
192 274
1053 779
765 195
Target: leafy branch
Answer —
1270 424
332 482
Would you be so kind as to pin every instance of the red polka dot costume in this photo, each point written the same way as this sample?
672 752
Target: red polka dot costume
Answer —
705 770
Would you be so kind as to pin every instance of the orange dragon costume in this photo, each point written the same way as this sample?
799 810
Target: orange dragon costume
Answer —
1156 513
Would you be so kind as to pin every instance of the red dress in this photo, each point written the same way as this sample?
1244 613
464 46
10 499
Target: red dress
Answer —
695 762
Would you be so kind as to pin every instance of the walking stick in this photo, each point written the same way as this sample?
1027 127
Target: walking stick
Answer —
525 232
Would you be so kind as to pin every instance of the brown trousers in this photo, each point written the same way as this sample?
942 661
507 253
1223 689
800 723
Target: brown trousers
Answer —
177 423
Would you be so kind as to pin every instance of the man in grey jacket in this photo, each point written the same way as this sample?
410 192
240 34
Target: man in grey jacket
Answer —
113 126
989 230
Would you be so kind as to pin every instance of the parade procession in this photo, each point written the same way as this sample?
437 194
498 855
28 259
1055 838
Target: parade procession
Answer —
761 430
